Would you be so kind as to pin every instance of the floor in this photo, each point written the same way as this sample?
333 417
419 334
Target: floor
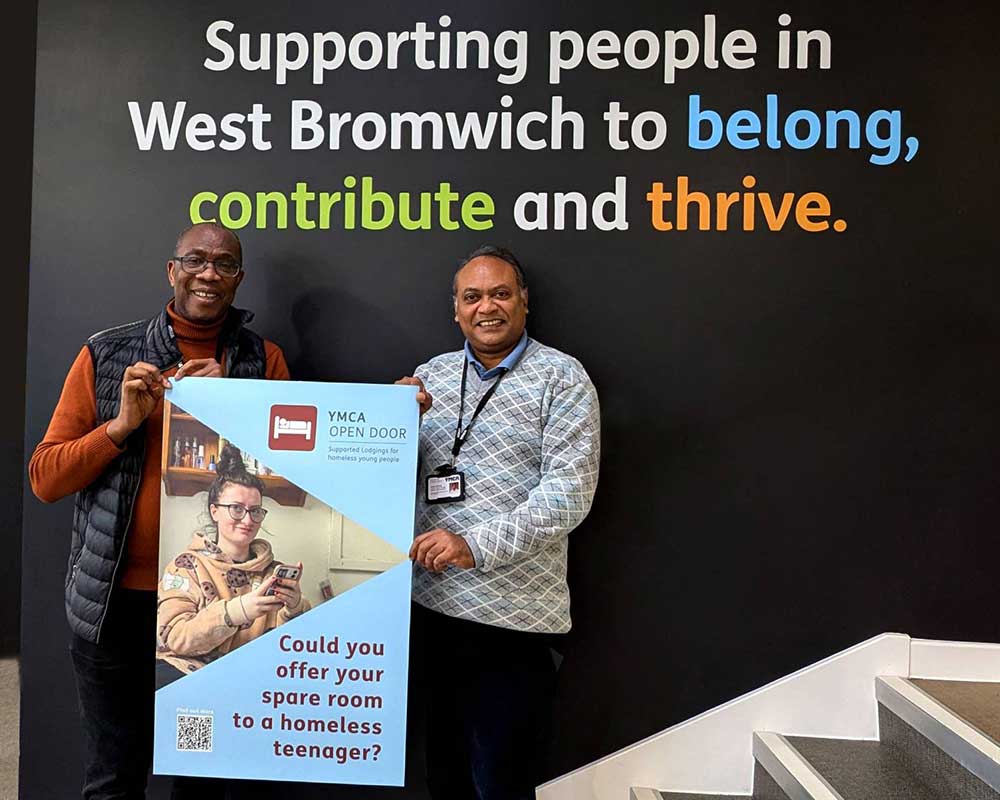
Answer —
9 716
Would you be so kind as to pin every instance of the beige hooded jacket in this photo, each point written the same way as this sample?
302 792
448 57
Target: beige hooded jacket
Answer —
199 617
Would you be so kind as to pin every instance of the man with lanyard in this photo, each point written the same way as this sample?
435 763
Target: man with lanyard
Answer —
510 448
104 444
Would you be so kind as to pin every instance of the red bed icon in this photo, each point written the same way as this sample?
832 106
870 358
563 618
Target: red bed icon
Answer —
292 428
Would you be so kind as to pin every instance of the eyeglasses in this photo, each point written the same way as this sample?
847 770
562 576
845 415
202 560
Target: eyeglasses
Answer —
193 265
238 511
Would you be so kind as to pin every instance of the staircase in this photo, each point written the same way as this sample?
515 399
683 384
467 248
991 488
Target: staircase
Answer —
938 740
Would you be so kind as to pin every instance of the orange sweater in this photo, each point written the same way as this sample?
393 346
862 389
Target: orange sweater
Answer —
75 450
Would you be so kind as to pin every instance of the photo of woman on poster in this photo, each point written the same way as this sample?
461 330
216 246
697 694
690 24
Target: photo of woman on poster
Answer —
226 588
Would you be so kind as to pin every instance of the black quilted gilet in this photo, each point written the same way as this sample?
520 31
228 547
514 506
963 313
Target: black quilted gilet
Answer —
103 510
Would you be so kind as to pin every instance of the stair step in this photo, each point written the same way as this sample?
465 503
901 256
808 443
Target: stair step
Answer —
781 772
939 745
977 702
940 740
863 770
638 793
684 796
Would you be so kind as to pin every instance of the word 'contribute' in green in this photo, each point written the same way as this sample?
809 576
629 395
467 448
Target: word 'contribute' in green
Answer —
323 210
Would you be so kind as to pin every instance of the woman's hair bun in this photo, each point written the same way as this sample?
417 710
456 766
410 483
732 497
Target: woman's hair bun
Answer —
230 468
231 463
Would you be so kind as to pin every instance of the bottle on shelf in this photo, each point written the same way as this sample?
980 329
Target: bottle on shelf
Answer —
200 461
211 463
186 457
176 460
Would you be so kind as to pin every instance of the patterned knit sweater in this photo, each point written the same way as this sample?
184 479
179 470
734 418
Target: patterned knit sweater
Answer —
531 465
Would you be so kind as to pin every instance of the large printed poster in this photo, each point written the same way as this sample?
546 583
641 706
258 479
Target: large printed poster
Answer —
284 597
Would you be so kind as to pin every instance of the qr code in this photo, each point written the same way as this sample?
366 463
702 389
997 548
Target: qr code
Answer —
194 732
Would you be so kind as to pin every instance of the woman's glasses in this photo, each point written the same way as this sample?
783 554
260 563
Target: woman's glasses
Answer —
238 511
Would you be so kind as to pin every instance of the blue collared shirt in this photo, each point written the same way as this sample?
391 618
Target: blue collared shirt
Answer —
506 365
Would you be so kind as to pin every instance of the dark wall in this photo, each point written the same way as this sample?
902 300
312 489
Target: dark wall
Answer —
800 429
19 58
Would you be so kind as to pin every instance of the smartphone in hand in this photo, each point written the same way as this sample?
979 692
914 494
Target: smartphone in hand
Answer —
283 573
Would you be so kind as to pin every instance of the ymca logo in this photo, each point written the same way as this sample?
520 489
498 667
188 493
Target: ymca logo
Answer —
292 428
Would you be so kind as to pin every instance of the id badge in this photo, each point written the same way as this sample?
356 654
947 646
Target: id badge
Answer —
445 485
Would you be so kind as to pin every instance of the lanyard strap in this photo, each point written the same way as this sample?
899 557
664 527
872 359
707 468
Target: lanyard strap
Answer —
462 435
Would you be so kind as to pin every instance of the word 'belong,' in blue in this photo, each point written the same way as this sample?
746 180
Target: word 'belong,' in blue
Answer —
802 130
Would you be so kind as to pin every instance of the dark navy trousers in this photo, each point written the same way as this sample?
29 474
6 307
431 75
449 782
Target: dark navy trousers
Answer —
488 695
114 681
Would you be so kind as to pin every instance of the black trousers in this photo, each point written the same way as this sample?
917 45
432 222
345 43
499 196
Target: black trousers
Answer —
114 681
488 693
227 789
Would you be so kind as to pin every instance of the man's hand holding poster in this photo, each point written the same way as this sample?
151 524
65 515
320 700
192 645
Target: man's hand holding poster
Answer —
283 606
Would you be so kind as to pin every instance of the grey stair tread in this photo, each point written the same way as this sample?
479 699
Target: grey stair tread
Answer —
978 703
687 796
862 770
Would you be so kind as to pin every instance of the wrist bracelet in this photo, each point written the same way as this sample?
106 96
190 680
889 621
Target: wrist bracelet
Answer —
225 616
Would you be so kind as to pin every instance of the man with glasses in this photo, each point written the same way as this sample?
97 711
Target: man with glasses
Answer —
104 444
509 450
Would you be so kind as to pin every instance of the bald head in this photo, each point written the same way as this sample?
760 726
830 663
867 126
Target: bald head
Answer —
234 244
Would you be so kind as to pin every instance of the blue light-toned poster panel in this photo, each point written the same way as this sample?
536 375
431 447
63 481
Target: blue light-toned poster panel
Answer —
315 689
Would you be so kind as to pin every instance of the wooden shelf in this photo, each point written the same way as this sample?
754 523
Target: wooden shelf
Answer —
188 481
